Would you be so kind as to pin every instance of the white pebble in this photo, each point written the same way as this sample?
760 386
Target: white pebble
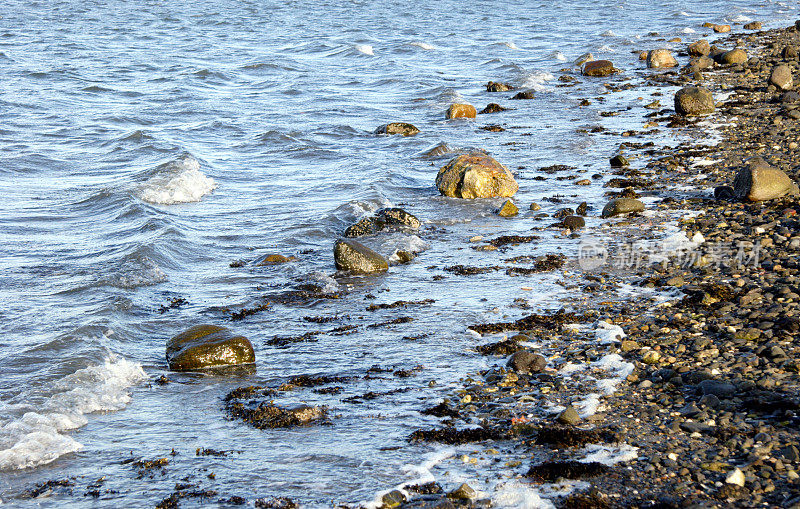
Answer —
735 477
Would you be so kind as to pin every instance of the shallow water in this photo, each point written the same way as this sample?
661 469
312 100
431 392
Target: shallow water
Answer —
144 149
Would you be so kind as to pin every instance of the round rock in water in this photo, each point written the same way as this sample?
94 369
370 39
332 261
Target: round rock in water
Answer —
573 222
208 346
508 209
461 111
622 206
403 128
525 361
492 108
352 256
475 175
598 68
758 181
694 101
494 86
734 56
660 58
700 48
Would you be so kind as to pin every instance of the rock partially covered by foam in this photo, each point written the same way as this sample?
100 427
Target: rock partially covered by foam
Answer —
694 101
598 68
758 181
384 219
475 175
208 346
622 206
403 128
352 256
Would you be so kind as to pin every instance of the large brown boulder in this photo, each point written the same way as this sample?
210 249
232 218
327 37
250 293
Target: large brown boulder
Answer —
694 101
660 58
352 256
461 111
734 56
758 181
208 346
598 68
781 77
475 175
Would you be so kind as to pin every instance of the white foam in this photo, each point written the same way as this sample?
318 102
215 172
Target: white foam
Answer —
514 494
609 455
366 49
423 45
536 79
617 366
588 406
330 285
37 436
741 18
136 273
609 33
605 48
179 181
420 474
557 55
688 30
605 332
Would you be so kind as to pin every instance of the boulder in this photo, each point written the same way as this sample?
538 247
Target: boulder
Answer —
753 25
586 57
619 161
388 218
758 181
352 256
208 346
508 209
461 111
403 128
660 58
721 29
275 259
573 223
527 94
781 77
693 100
494 86
492 108
525 361
475 175
622 206
598 68
569 416
789 53
734 56
699 48
701 63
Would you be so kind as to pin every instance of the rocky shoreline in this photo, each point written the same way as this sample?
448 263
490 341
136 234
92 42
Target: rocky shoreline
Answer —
703 411
667 384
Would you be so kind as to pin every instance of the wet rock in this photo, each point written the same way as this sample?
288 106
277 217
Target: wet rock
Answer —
582 208
475 175
438 150
553 470
494 86
736 477
758 181
693 100
508 209
701 63
275 259
492 108
403 128
393 499
700 48
598 68
717 388
586 57
781 77
721 29
753 25
790 97
454 436
569 416
355 257
266 415
388 218
724 193
463 492
622 206
734 56
660 58
619 161
527 94
525 361
535 206
208 346
461 111
573 222
789 53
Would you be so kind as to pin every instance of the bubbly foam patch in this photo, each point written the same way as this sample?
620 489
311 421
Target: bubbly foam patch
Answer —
423 45
365 49
179 181
30 436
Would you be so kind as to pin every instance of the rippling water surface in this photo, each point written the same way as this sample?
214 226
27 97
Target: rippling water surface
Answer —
146 146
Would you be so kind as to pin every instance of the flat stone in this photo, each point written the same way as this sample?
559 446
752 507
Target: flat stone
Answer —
355 257
598 68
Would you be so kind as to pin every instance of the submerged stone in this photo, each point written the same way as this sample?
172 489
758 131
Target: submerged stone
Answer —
355 257
403 128
208 346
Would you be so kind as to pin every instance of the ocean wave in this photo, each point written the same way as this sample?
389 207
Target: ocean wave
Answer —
178 181
36 437
138 272
366 49
535 80
422 45
557 55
